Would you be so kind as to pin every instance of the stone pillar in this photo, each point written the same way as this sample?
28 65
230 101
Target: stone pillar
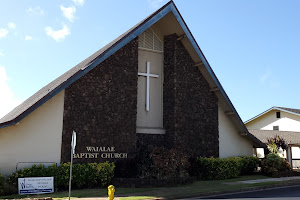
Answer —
190 108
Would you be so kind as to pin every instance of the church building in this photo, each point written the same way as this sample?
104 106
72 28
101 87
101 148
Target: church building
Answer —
150 86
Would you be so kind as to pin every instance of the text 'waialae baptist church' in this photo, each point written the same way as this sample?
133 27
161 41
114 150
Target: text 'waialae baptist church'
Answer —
150 86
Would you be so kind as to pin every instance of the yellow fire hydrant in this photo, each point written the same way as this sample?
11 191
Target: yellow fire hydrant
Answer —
111 192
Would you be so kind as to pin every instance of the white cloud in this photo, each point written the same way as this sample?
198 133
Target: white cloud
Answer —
79 2
35 11
268 78
28 37
59 34
68 12
7 101
155 3
3 32
263 78
11 25
1 52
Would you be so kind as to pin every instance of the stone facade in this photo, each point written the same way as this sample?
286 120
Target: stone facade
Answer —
190 108
101 106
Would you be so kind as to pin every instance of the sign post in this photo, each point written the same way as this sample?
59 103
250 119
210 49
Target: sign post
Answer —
73 144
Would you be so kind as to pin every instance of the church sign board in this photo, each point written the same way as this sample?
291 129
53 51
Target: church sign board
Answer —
38 185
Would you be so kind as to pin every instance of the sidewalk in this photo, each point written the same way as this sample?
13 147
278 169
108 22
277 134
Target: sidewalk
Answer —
265 180
250 189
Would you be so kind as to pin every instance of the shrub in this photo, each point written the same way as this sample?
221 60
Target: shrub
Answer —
223 168
249 164
2 182
105 172
83 175
6 188
274 163
61 175
218 168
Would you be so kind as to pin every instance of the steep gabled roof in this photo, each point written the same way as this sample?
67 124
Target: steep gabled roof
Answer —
56 86
283 109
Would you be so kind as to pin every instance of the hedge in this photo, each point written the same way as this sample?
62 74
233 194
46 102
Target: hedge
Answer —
83 175
224 168
249 164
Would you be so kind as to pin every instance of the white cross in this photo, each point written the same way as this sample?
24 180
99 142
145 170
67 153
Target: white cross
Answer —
148 75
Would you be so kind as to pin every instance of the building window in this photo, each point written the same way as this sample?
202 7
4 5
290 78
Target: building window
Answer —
278 114
276 128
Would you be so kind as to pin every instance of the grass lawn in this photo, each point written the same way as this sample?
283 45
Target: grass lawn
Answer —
189 190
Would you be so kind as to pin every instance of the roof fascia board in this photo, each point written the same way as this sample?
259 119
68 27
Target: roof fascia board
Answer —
118 45
259 115
205 62
273 108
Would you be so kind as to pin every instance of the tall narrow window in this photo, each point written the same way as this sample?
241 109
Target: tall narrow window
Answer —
150 84
278 114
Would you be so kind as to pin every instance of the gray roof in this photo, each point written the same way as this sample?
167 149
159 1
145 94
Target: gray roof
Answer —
293 110
289 136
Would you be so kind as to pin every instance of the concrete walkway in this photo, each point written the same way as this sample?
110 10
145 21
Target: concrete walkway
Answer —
265 180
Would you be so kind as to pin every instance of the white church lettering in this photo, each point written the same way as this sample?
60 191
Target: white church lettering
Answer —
98 149
85 155
92 153
114 155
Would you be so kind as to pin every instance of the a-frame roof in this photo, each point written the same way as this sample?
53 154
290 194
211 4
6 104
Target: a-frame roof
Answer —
62 82
283 109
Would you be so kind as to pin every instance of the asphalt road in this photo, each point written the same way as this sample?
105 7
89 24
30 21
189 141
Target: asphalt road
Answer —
289 192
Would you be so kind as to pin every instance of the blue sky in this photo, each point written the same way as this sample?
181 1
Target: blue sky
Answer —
253 46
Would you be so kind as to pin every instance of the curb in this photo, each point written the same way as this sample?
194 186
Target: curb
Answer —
282 184
246 191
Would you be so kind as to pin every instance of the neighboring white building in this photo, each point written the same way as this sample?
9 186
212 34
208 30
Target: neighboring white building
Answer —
281 121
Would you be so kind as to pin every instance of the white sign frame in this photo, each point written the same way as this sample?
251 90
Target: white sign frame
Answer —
36 185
